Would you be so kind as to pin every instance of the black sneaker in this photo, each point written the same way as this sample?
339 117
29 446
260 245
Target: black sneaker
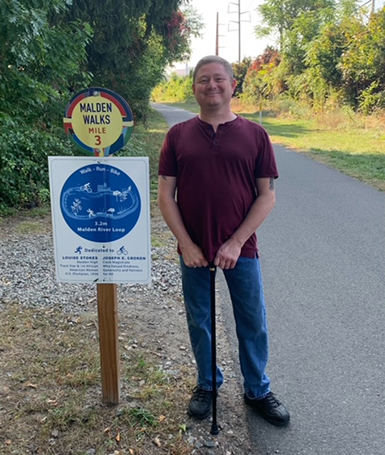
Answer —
271 409
200 403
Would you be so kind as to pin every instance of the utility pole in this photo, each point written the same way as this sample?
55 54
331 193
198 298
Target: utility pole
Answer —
239 31
217 35
239 13
372 7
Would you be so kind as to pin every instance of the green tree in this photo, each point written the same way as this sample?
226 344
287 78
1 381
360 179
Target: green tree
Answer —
363 63
260 81
348 56
175 89
38 62
240 71
134 41
279 16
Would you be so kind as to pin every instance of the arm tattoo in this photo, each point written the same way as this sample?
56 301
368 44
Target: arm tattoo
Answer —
164 177
271 184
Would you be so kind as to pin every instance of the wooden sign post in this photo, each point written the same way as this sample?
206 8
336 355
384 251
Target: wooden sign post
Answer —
109 344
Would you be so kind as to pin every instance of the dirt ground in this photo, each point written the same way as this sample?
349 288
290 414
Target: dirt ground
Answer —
153 316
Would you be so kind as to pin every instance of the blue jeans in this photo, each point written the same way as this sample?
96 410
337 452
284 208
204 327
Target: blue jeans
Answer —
246 290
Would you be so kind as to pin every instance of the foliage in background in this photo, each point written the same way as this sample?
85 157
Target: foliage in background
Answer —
240 70
133 43
258 81
39 63
285 18
332 53
175 89
49 49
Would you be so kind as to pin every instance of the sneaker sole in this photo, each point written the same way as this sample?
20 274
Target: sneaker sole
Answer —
277 423
199 416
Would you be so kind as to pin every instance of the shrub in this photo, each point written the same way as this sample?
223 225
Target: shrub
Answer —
177 89
24 178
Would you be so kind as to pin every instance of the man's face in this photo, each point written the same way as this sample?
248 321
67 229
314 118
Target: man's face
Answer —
213 87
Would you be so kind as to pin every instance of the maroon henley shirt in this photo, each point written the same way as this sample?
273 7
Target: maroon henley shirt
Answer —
216 174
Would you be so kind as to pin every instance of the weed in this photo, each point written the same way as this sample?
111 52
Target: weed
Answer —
52 390
142 417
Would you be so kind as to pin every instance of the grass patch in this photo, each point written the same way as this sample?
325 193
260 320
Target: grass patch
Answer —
35 213
29 227
357 152
50 398
352 144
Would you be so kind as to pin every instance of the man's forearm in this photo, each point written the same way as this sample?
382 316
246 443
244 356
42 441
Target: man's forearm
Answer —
258 212
228 254
192 254
173 218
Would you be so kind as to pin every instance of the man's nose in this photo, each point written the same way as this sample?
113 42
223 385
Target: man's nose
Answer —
212 83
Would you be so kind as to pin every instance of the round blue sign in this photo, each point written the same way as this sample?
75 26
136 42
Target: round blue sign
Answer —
100 203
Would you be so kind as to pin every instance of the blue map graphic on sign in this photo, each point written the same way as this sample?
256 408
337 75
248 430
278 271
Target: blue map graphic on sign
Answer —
100 203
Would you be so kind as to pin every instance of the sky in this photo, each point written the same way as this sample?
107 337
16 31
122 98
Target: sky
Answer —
228 30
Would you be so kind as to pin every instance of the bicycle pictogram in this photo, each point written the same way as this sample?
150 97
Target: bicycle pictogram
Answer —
122 250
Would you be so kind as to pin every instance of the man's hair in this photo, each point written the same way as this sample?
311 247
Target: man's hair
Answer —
214 59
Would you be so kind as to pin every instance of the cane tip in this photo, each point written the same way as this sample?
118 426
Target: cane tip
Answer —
214 429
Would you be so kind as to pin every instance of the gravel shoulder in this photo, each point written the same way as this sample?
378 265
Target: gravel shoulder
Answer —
156 315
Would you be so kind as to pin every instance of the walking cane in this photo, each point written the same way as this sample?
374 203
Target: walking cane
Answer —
214 426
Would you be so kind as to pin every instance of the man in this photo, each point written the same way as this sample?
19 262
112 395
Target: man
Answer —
216 187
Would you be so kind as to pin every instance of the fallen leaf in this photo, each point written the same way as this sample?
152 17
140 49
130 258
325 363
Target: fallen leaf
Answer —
8 442
162 418
118 437
131 451
32 386
157 442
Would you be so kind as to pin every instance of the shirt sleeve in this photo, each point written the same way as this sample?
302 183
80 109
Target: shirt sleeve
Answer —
168 164
265 165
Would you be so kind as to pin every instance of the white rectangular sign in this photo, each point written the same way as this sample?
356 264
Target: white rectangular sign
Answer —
101 219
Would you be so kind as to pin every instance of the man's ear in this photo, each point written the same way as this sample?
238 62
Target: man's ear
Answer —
234 84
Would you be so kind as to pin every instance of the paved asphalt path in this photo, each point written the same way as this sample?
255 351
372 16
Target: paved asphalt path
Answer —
322 253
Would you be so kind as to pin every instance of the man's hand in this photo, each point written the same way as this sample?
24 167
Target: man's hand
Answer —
228 255
193 256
